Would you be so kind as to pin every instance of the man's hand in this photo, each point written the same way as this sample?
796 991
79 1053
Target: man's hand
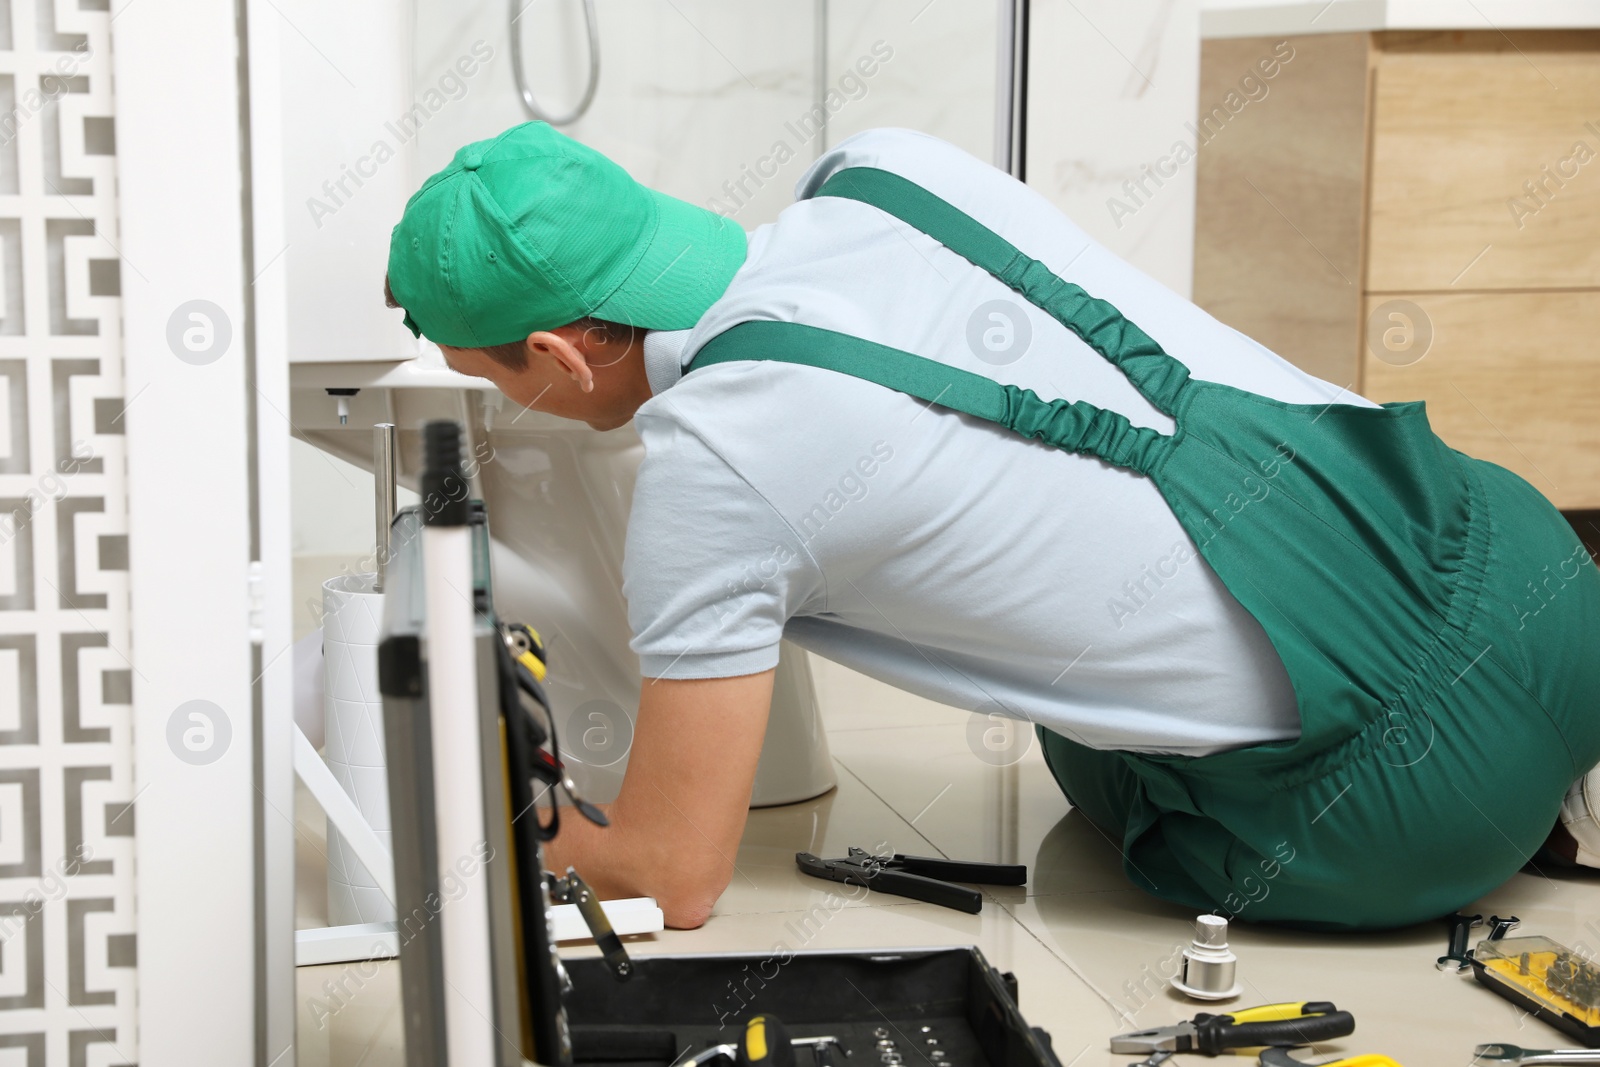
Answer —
677 822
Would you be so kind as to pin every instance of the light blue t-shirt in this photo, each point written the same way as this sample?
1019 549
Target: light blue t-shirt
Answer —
934 551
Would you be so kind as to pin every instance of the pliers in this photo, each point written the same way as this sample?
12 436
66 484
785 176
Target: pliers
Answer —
917 877
1300 1023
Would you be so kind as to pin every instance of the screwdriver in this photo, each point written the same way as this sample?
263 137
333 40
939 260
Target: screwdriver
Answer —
765 1043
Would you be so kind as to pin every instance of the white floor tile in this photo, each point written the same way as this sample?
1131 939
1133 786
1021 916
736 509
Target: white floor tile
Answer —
1090 952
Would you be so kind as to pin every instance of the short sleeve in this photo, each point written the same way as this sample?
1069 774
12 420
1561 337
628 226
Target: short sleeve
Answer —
711 572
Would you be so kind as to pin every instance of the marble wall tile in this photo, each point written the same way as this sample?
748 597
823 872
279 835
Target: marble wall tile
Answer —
712 101
692 94
1113 90
941 79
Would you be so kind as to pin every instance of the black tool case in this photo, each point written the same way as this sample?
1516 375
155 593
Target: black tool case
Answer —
677 1003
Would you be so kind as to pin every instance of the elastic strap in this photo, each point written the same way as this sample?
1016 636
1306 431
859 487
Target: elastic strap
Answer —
1157 376
1067 424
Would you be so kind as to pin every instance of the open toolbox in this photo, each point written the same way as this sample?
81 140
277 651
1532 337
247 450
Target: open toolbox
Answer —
943 1007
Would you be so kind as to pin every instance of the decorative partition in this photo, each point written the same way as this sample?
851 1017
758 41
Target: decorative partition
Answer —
67 947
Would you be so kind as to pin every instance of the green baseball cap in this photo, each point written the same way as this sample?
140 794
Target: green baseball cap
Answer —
532 230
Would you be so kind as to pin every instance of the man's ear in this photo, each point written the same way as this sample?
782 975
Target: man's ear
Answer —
559 344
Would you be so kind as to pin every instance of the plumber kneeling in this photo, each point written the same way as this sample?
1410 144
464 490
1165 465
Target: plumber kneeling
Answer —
924 426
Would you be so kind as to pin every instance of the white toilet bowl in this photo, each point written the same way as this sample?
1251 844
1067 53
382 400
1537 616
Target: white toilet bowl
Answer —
558 495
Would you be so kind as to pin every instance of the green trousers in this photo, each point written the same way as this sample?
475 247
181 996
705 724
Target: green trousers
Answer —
1456 782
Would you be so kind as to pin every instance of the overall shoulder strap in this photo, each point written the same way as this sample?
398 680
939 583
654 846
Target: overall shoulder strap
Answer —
1071 425
1101 326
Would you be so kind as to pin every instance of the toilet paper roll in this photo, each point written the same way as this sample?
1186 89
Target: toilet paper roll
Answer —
353 749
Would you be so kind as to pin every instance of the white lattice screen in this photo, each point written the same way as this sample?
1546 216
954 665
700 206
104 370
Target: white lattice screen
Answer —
67 951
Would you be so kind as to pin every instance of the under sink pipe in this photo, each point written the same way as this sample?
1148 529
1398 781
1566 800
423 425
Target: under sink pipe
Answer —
384 477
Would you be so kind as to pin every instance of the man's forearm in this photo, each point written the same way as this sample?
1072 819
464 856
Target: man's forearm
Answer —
583 845
616 863
676 824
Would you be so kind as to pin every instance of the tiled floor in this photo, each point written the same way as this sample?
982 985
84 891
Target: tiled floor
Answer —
1086 948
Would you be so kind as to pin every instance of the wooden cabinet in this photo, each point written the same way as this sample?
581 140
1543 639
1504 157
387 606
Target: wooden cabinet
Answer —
1507 379
1417 216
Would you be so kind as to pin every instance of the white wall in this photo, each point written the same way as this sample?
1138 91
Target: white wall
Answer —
333 513
333 516
333 529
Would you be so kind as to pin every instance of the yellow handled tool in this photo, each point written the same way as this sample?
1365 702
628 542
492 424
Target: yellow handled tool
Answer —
1280 1057
1268 1013
766 1043
527 648
1298 1023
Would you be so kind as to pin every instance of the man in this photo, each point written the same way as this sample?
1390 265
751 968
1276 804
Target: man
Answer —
1276 640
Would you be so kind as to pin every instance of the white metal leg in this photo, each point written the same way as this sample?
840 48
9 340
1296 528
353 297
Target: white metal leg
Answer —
343 813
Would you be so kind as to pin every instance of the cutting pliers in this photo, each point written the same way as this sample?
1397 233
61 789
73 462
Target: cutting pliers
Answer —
917 877
1300 1023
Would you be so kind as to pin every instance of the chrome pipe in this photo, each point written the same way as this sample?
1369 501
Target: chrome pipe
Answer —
384 476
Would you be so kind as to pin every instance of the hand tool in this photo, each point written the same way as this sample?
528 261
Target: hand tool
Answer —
1458 958
522 664
1498 927
822 1047
1281 1057
765 1043
1299 1023
526 647
1559 985
825 1050
1513 1054
710 1054
917 877
574 890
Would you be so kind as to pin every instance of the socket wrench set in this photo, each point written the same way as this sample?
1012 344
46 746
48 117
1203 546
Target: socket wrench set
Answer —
882 1008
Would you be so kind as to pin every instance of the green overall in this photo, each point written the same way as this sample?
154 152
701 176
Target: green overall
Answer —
1435 614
